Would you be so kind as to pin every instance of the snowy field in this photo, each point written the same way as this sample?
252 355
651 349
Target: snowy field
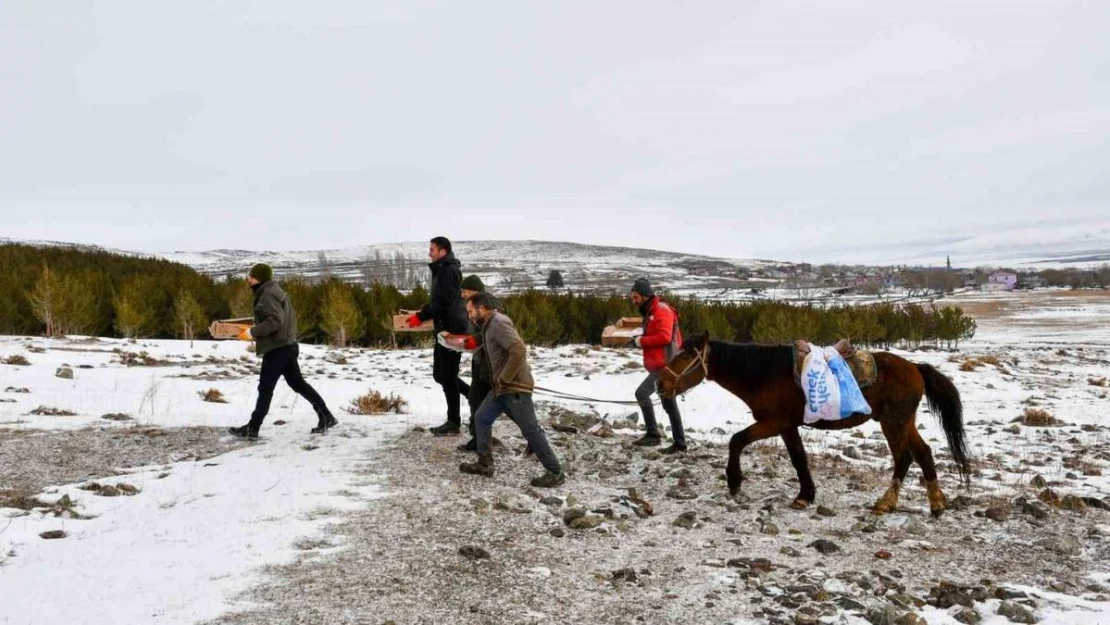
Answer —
195 529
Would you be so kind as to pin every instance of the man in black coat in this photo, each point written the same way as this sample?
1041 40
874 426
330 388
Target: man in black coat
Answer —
447 311
275 336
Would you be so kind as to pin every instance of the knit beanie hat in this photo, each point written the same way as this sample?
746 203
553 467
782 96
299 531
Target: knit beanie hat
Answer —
643 287
473 283
262 272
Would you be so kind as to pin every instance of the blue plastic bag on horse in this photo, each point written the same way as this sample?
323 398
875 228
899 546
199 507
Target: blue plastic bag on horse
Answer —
851 398
830 388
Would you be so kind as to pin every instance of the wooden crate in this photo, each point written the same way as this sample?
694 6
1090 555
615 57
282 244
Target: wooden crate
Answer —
620 334
229 328
629 322
400 322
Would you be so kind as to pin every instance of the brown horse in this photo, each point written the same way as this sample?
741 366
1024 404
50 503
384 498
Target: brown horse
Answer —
763 377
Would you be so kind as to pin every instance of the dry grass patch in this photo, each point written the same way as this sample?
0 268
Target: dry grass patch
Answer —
1098 382
139 359
212 395
375 403
47 411
986 308
1037 417
972 363
20 499
1085 466
17 360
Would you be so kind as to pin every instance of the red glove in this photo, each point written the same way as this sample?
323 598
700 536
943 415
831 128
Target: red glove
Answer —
413 321
470 343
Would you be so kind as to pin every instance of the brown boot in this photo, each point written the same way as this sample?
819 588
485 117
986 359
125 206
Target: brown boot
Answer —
484 466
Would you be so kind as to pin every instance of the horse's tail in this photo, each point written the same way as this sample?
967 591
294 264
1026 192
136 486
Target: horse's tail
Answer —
944 400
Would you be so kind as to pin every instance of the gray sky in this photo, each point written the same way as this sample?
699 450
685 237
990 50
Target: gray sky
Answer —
728 128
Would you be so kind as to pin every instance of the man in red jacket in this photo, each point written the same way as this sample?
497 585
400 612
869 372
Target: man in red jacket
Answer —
660 341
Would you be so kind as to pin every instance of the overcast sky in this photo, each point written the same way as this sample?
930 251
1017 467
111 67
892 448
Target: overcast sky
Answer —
729 128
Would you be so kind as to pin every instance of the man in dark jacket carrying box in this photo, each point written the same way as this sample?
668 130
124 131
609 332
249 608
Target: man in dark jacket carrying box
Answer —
275 336
447 312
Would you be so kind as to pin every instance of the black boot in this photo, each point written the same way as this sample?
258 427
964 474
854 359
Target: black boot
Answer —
244 431
484 466
448 428
326 421
675 448
549 479
648 440
470 445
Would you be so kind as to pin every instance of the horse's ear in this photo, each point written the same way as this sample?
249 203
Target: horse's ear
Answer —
703 340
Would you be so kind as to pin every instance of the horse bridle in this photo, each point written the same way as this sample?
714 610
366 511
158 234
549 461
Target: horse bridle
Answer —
699 361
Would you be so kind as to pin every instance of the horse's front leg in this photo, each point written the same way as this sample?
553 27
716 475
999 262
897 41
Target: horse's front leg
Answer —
896 433
808 493
754 432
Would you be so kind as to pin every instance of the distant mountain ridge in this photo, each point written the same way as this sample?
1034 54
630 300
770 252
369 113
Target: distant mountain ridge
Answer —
509 265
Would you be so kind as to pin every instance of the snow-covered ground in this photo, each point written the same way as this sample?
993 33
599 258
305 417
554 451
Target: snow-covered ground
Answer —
199 532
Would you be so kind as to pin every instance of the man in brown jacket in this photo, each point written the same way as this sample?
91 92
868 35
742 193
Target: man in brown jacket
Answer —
511 381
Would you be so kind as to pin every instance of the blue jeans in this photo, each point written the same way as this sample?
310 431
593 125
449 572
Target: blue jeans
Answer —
520 409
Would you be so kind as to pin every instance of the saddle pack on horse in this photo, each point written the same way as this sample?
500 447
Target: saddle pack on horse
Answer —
860 362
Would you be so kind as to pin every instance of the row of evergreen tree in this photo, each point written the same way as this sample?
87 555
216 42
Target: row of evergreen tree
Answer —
58 291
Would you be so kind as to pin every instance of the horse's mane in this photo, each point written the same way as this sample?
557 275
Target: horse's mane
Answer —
750 360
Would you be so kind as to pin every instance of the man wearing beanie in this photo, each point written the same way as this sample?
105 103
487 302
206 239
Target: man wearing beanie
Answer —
447 312
480 381
275 336
661 340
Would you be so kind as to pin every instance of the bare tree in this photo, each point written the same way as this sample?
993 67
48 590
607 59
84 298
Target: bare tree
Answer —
325 264
371 267
1102 275
805 289
514 280
916 282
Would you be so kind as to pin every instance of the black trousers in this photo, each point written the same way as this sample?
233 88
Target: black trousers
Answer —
445 371
278 363
480 386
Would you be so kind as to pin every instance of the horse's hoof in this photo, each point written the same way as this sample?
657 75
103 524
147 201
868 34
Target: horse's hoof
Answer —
882 508
936 513
800 504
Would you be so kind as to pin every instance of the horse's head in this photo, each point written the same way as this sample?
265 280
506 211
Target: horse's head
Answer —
687 369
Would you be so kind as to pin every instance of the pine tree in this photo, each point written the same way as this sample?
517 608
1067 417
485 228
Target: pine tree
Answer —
240 298
342 319
555 279
46 299
135 314
79 308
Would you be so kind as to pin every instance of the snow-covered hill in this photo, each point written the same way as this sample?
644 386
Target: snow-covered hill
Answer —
1042 245
497 262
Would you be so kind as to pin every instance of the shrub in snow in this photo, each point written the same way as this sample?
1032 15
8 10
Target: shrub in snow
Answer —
375 403
212 395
